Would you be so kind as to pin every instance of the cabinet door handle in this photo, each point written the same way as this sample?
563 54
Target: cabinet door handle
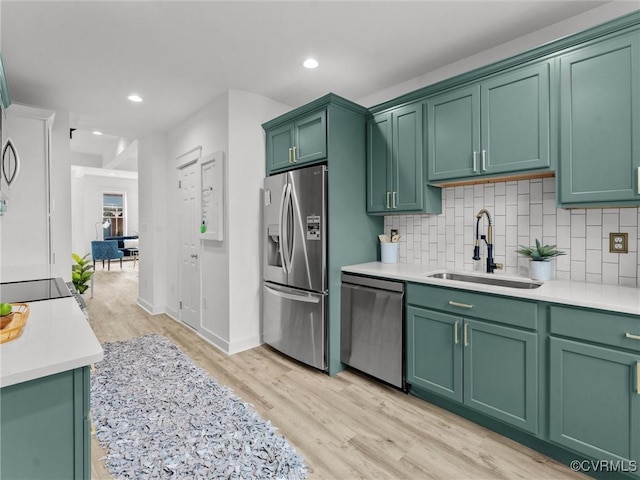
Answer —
484 160
394 199
638 179
458 304
632 336
456 340
475 161
638 378
293 155
464 334
388 195
289 154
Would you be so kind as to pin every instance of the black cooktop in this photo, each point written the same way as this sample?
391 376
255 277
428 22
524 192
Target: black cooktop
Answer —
33 290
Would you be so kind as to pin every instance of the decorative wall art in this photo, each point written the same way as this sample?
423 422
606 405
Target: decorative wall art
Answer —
10 164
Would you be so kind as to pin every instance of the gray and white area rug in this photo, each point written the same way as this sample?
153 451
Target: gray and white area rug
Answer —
159 416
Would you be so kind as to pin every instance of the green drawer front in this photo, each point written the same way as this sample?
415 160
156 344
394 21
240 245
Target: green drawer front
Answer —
482 305
596 326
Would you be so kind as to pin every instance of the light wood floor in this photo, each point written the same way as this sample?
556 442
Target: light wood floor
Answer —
346 427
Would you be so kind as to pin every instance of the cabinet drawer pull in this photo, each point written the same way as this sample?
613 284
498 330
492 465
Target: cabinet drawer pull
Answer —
632 336
461 305
394 199
475 161
456 340
484 160
388 195
464 333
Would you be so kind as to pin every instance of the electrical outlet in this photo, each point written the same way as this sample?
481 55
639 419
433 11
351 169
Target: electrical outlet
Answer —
618 243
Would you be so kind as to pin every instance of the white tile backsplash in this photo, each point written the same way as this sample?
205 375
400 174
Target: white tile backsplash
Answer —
521 212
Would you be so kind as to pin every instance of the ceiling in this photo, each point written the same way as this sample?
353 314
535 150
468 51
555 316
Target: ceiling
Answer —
87 56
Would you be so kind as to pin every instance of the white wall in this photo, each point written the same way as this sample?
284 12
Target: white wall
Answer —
61 196
208 128
154 226
230 270
570 26
246 169
86 194
86 160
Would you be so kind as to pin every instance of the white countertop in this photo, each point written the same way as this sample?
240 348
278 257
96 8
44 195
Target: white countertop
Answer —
582 294
56 338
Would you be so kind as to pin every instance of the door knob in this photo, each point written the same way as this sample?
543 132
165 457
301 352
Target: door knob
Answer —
194 255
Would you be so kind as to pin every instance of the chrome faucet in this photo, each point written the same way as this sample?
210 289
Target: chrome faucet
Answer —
488 239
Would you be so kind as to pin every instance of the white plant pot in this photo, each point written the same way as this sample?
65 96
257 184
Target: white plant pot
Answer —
540 271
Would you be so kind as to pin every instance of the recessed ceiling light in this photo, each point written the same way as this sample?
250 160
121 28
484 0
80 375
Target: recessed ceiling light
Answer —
112 174
135 98
310 63
96 132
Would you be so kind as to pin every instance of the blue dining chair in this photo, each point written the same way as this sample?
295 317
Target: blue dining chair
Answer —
105 250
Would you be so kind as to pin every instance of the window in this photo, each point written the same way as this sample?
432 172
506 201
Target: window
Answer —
113 211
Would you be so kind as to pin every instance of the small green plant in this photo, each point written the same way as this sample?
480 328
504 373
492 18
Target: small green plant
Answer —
81 272
540 253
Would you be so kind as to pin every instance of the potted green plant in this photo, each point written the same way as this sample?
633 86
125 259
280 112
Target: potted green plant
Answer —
81 272
541 256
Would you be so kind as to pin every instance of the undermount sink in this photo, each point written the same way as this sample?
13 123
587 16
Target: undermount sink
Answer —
500 282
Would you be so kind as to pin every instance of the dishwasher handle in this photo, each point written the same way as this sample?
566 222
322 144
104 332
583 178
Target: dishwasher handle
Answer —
374 283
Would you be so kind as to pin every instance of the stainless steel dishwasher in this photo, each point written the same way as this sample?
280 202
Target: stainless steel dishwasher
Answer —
372 327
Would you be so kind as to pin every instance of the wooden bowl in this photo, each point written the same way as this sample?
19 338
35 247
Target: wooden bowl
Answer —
5 320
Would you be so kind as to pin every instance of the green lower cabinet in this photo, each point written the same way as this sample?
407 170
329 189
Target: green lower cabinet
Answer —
45 428
490 368
434 352
501 373
595 401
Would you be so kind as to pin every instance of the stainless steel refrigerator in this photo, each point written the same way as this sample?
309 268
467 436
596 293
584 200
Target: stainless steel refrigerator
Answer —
294 307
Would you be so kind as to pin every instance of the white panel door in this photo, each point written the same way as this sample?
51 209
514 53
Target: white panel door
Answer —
189 246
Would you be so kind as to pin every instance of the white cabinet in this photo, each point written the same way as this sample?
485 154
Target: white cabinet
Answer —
24 228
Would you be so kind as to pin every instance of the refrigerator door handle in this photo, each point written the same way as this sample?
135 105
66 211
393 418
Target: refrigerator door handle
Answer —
282 228
291 296
286 248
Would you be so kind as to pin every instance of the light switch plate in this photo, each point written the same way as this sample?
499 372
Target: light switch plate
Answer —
618 243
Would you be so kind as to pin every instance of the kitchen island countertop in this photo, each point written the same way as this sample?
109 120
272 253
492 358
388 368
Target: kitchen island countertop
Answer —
56 338
616 298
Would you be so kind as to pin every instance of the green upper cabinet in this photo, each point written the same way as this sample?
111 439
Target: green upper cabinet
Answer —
516 121
600 123
453 129
303 140
395 163
379 163
499 126
279 142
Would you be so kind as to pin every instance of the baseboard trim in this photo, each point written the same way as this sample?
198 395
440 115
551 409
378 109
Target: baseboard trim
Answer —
147 307
245 344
